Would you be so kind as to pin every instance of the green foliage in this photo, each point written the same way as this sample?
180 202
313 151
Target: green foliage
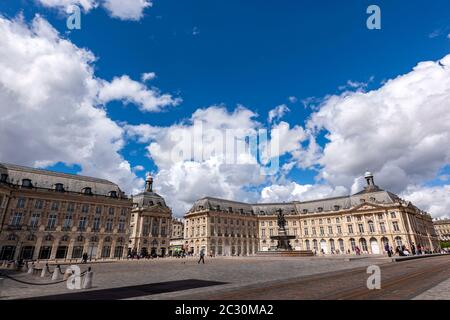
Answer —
445 244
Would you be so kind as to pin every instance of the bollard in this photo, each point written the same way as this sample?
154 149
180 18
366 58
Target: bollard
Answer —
30 268
44 272
87 281
67 274
56 273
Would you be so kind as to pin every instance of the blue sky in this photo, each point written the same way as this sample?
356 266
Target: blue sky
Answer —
252 53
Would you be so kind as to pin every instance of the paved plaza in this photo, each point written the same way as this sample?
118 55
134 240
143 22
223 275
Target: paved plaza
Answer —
234 271
185 278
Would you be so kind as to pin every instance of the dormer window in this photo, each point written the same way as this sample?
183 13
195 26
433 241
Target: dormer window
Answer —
3 177
241 211
261 212
218 208
230 209
26 183
305 211
372 199
320 209
362 200
337 208
113 194
87 191
59 187
151 203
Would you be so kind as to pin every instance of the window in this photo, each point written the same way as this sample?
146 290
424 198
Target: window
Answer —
339 230
361 227
98 210
82 223
393 216
352 244
16 219
395 226
67 221
39 204
59 187
320 221
55 205
306 222
313 230
328 220
308 246
26 183
96 225
51 223
271 232
330 229
111 211
121 225
295 231
34 222
20 203
70 207
106 251
382 227
371 226
109 225
349 219
350 228
123 212
155 225
358 218
85 208
338 220
306 231
321 231
262 223
270 223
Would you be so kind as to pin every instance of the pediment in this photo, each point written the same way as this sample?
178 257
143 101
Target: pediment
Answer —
366 207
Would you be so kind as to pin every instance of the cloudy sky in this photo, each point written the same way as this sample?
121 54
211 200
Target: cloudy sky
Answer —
117 97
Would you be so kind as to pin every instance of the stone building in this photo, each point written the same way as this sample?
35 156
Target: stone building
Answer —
369 220
176 236
442 228
48 215
150 223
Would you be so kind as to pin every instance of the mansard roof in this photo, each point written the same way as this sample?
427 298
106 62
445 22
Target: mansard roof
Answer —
47 179
376 195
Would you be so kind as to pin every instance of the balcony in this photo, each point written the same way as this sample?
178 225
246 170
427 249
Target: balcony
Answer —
50 228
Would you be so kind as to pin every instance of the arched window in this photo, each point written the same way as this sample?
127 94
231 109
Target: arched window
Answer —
113 194
94 239
87 191
398 241
26 183
107 239
352 244
363 243
308 246
59 187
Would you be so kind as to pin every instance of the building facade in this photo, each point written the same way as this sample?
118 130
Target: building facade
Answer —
442 229
150 224
367 220
176 237
47 215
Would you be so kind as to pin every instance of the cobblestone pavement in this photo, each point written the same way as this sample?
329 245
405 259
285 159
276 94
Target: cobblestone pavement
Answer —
235 271
399 280
439 292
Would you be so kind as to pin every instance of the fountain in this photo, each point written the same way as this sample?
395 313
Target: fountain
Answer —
283 247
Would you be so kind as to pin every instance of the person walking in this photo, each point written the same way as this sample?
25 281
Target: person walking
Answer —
202 256
413 249
388 250
85 257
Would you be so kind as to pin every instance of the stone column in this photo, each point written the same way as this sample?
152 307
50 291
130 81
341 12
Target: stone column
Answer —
54 248
113 249
37 248
70 249
99 248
